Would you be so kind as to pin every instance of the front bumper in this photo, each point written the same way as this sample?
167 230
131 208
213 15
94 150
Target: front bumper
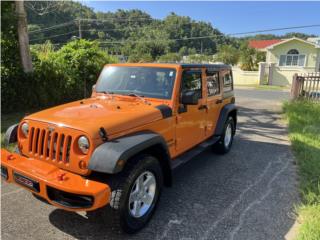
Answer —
60 188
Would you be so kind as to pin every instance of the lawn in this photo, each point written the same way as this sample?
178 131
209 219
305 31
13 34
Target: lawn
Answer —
304 132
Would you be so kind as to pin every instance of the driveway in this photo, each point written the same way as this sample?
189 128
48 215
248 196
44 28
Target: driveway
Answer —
247 194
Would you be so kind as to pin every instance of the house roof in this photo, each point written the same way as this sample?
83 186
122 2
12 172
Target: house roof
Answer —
291 39
262 44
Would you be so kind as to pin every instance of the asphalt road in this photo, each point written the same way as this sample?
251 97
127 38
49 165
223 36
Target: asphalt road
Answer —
247 194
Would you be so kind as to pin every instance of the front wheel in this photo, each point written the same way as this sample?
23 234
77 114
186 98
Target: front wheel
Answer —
135 194
225 142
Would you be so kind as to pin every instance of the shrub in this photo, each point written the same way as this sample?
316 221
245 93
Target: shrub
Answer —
59 76
81 62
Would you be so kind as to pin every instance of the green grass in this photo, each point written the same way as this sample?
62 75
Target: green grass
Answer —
304 132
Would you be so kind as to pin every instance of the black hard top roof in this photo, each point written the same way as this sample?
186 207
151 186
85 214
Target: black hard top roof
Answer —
199 65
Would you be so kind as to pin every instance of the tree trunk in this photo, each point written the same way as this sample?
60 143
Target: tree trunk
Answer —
23 37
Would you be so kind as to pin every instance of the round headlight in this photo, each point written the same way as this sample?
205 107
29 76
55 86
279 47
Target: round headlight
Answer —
25 129
83 144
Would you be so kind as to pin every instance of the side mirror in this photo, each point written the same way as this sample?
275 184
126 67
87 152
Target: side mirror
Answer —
189 98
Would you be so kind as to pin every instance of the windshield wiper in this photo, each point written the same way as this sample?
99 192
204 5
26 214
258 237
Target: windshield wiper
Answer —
141 97
106 92
109 94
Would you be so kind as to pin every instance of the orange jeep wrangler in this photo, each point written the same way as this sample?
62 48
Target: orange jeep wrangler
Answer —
115 150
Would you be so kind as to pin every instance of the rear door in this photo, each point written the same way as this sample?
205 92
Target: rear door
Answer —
214 99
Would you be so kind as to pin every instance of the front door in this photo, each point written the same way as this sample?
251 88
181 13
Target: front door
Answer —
191 119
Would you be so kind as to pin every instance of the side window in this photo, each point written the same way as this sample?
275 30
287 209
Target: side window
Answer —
213 83
191 81
227 82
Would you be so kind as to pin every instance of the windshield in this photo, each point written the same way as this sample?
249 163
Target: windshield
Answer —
143 81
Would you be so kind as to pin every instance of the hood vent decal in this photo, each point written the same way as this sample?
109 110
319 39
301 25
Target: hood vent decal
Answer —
103 134
165 110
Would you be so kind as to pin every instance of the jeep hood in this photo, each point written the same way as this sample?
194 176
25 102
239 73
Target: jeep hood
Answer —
90 114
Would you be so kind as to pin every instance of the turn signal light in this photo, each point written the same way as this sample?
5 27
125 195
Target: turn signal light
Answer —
82 164
10 157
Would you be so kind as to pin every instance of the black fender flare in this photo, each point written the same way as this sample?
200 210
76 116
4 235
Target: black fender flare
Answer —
227 109
111 156
11 134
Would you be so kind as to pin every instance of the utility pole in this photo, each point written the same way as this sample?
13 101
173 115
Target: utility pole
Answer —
80 31
201 46
23 37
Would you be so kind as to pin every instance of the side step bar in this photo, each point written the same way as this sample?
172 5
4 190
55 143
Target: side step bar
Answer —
187 156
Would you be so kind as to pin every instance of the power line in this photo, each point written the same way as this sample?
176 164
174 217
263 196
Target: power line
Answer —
32 40
214 36
89 20
183 39
117 18
52 27
275 29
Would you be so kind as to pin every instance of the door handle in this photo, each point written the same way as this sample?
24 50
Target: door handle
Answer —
218 101
201 107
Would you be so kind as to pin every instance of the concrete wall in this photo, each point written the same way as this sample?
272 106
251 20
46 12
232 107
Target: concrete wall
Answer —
283 76
245 77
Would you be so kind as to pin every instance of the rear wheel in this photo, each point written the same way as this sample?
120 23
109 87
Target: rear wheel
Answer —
135 194
225 142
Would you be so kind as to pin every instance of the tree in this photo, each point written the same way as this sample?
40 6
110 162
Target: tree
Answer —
199 58
23 37
11 70
170 57
250 58
227 54
142 57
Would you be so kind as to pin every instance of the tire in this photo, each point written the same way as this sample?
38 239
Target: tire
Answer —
122 208
224 144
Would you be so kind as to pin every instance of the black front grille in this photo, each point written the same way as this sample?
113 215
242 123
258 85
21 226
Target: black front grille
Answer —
49 145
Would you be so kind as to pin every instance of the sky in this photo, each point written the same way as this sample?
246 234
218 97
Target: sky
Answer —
229 17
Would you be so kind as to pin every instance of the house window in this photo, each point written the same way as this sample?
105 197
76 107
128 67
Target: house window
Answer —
292 58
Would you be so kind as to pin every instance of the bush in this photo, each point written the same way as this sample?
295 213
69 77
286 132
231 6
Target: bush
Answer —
59 76
81 62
